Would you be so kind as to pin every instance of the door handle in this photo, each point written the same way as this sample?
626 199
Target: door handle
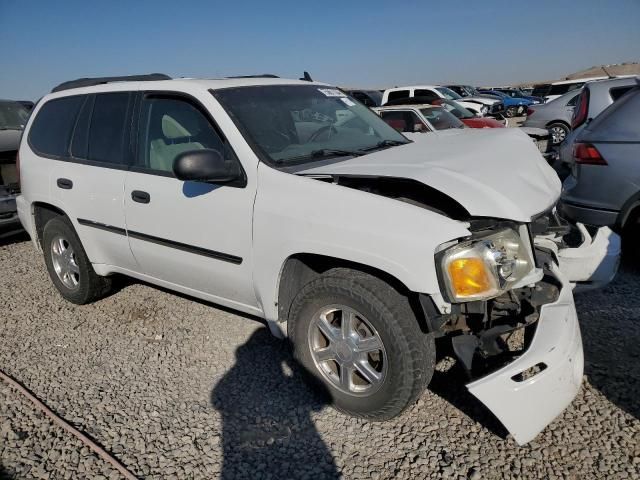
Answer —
140 196
64 183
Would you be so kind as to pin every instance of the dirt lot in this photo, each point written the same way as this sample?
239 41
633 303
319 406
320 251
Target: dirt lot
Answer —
177 388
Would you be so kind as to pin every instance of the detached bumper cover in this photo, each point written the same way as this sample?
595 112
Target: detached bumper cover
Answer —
526 407
594 263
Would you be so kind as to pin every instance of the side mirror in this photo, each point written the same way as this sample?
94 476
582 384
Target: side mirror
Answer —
205 166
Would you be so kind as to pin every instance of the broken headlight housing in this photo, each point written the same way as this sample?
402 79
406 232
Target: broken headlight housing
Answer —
485 267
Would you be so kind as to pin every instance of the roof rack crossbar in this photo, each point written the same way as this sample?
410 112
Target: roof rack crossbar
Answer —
89 82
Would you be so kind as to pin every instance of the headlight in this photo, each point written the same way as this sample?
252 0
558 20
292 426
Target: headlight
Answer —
484 109
484 268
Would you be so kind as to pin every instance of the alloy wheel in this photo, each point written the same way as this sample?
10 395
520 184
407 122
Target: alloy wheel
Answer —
64 262
347 350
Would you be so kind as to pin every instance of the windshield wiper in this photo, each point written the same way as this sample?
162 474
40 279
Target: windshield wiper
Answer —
321 152
382 144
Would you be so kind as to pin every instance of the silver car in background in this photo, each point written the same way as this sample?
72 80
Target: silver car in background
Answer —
555 116
593 99
604 185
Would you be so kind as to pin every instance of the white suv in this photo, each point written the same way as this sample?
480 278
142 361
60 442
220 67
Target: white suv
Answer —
292 201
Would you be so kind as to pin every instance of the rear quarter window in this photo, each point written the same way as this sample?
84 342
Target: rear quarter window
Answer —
617 92
51 131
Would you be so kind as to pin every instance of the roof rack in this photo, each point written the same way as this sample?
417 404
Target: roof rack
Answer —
89 82
263 75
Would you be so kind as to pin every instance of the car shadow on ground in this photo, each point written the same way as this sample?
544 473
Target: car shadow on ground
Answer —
449 384
266 404
610 325
11 237
5 474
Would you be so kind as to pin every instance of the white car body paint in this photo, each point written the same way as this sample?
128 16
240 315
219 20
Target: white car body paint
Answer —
492 173
526 407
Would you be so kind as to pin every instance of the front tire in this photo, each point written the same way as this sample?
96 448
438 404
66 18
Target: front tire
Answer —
359 337
68 266
511 112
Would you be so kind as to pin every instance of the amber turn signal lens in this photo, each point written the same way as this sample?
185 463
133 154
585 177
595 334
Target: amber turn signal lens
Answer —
468 277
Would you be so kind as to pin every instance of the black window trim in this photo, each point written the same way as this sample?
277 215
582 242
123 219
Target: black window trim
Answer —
193 101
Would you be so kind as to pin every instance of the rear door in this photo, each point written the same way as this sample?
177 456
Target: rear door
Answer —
193 235
87 176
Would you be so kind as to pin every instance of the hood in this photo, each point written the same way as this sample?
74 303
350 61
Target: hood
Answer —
491 172
9 140
483 100
482 122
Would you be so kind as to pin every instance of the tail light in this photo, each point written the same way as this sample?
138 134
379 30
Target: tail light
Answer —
587 154
530 111
582 109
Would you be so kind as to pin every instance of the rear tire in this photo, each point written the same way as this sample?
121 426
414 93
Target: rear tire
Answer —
68 266
511 112
558 132
400 361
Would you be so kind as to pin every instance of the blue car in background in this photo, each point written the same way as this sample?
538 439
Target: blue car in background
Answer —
513 106
514 92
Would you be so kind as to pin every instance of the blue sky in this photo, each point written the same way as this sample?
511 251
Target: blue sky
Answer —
357 43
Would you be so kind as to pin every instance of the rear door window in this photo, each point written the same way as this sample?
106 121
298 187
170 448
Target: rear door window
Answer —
51 131
108 134
398 94
426 95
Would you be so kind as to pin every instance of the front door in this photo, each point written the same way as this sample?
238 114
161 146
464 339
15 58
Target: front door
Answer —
195 235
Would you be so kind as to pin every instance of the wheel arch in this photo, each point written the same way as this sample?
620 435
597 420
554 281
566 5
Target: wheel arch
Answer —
299 269
42 212
548 124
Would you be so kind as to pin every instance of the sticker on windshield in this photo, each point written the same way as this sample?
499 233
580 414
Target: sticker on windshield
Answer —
347 102
331 92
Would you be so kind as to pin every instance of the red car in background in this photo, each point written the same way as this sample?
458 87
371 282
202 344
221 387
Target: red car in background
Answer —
466 116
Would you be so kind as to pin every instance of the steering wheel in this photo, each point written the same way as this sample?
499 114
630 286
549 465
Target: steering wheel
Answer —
326 129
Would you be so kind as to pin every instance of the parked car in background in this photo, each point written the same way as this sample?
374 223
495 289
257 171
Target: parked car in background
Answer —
13 118
604 185
360 246
592 100
418 118
27 104
369 98
513 106
554 116
514 92
549 91
466 116
445 115
482 106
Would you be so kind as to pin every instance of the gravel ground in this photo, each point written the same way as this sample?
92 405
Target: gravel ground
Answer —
177 388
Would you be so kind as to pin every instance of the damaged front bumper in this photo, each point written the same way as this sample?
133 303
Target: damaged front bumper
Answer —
528 393
590 265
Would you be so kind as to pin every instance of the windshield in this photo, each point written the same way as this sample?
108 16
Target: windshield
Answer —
448 93
440 118
294 124
13 116
454 108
